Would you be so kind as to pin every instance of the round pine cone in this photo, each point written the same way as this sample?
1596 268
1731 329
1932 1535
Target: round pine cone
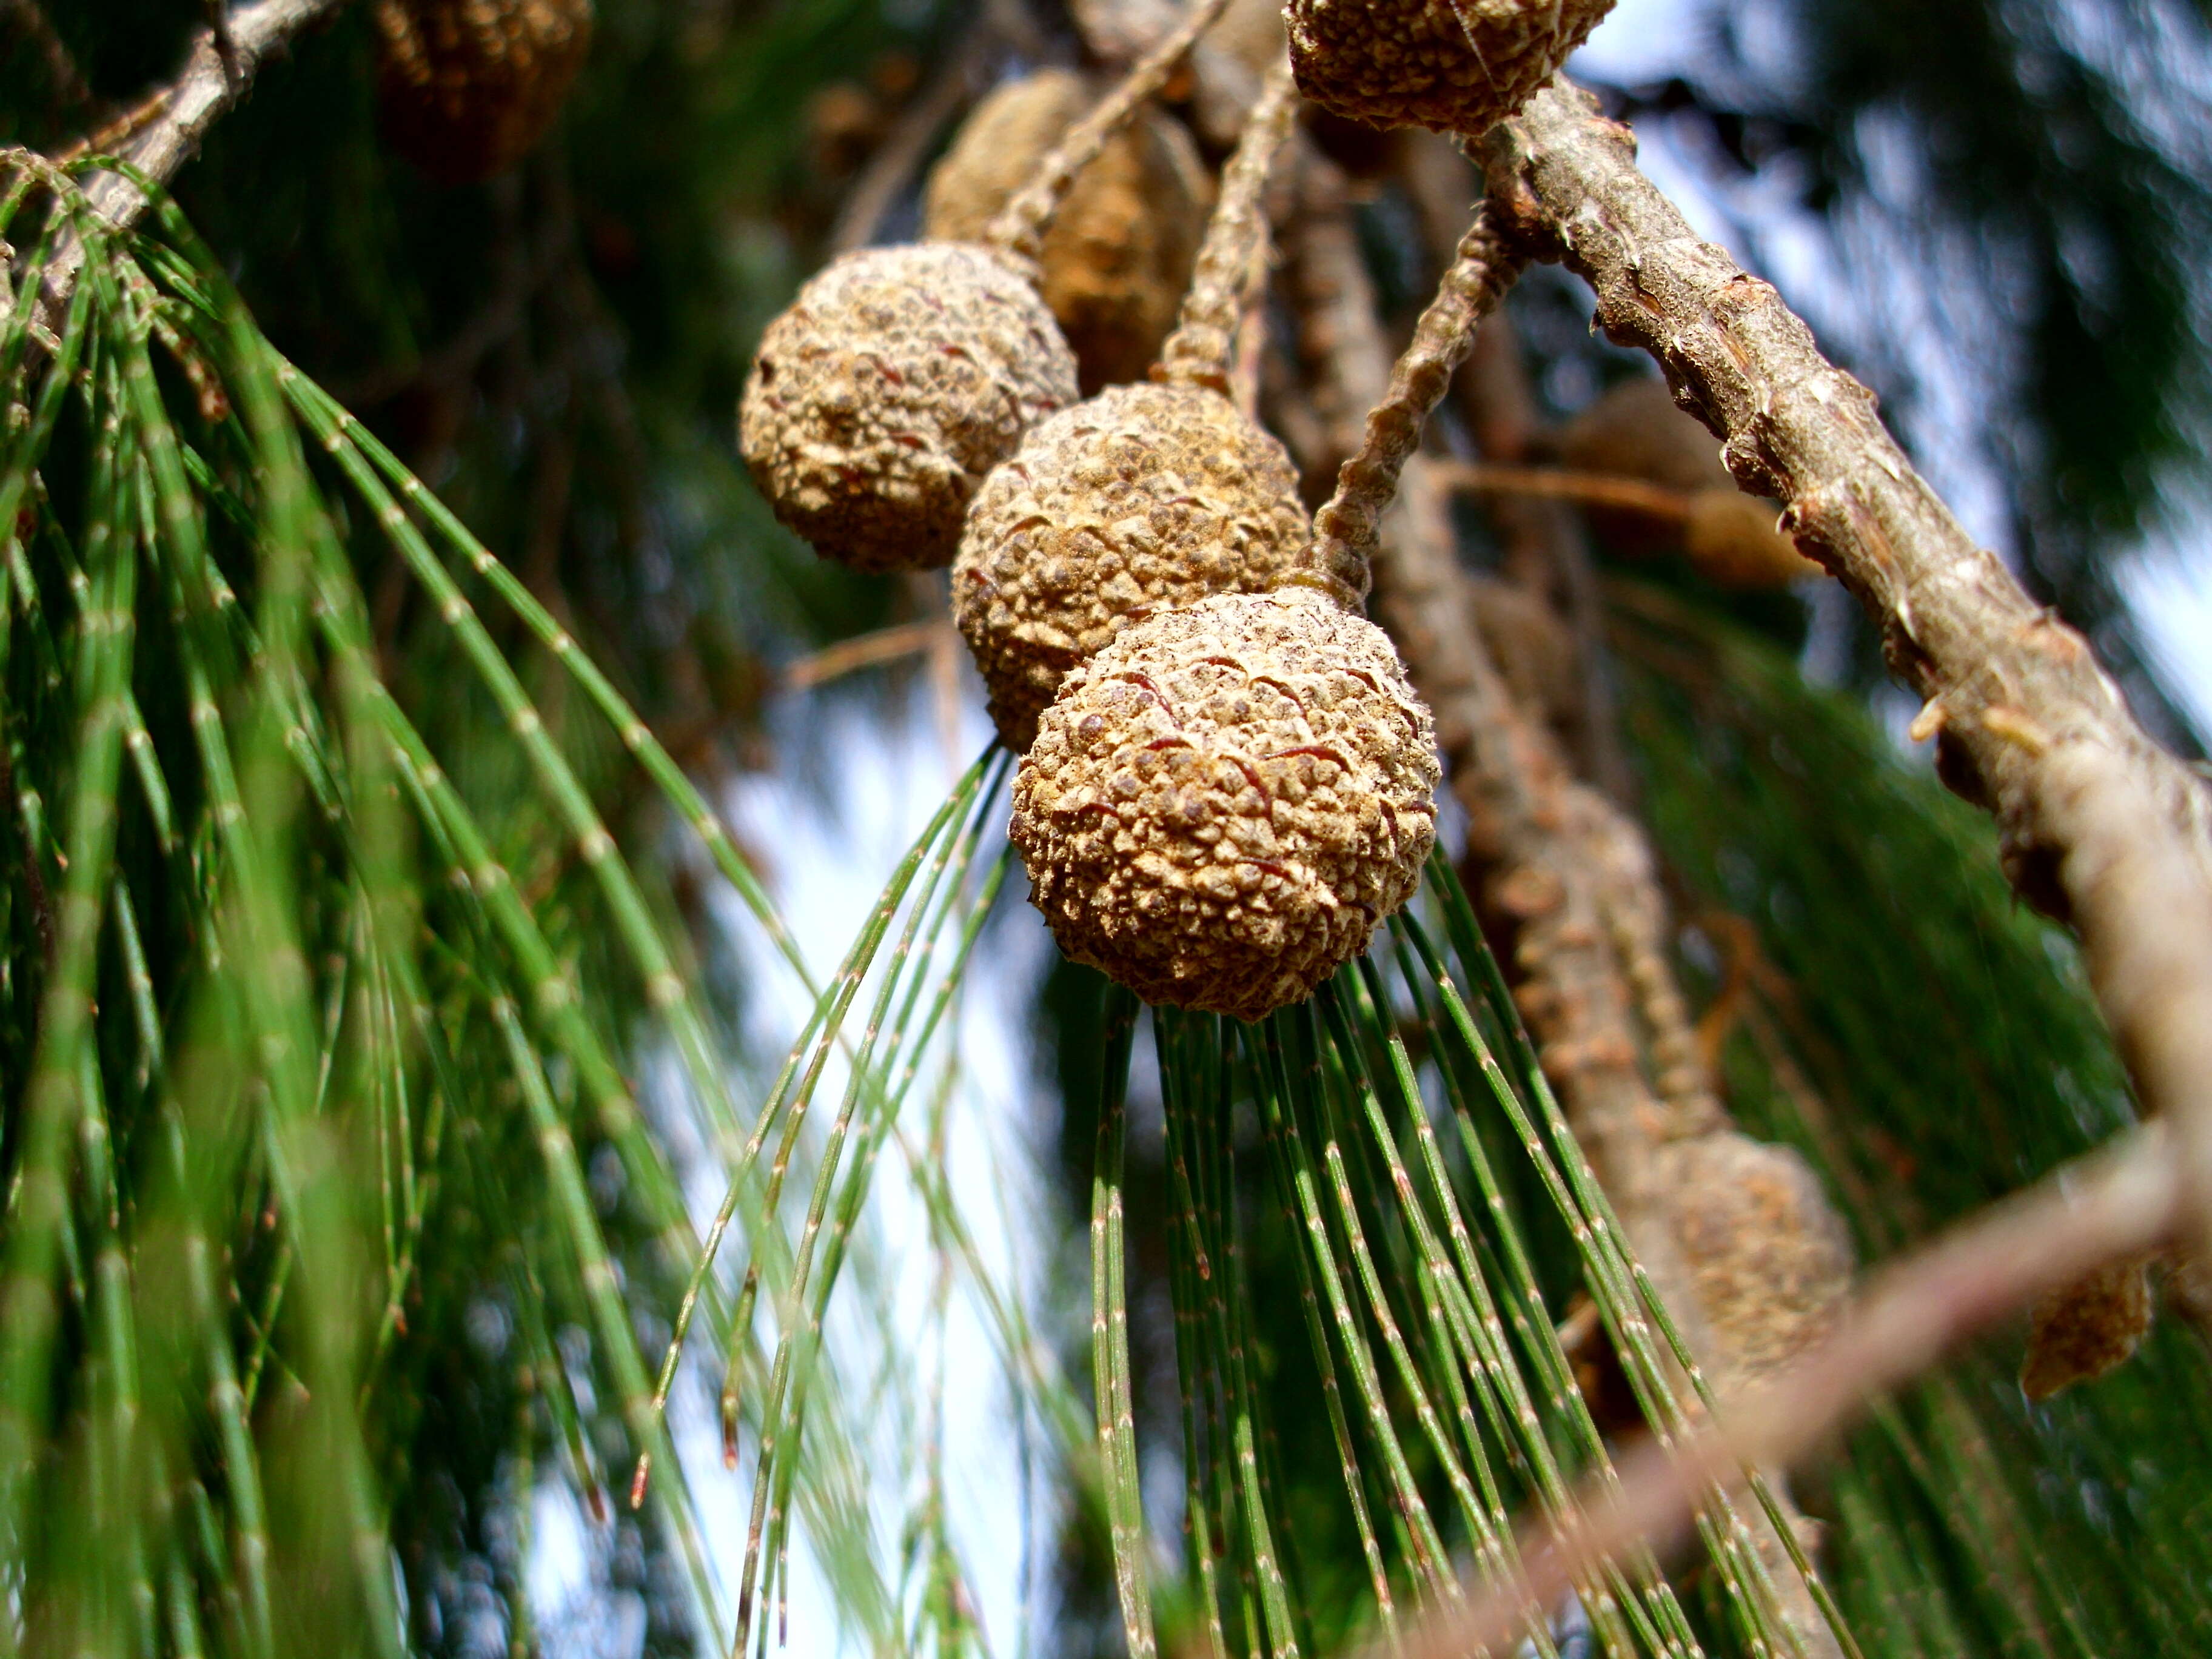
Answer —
1636 430
1451 66
1118 253
1733 539
894 382
1143 498
467 87
1225 803
1770 1261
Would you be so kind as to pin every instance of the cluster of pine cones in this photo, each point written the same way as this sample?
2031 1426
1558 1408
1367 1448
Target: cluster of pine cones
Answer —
1227 780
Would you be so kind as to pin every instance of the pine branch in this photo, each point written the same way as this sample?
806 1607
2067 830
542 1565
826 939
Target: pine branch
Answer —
1556 484
890 644
1576 877
165 131
2100 826
1348 529
2124 1200
1204 343
1543 548
1019 227
34 883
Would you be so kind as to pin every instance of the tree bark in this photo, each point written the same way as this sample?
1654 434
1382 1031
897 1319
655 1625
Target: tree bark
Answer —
2100 826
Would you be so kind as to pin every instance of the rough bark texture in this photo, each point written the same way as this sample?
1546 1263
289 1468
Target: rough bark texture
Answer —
1542 548
2100 826
1751 1277
1736 1237
1199 351
1348 529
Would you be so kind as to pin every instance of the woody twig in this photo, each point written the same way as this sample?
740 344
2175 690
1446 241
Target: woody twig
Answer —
2099 827
1736 1236
2122 1202
165 131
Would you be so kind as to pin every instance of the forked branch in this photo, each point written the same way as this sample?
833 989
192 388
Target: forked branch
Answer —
2100 827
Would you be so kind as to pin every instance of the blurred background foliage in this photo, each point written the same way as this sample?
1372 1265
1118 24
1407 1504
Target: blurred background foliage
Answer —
557 353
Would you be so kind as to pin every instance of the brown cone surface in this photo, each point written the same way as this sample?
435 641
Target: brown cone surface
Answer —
1770 1260
1142 498
894 382
1636 430
1118 254
1223 804
1733 538
1451 66
2084 1330
467 87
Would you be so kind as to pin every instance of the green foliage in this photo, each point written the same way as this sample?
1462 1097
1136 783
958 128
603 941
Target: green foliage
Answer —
319 1030
338 1232
1362 1202
1889 1008
1880 1002
315 1055
360 1084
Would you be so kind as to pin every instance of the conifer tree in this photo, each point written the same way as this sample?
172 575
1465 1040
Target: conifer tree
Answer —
1570 1138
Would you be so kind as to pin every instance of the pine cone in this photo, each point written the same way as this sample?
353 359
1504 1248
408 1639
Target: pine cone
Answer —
1636 430
1119 254
1452 65
1733 538
1146 497
467 87
1771 1262
1223 805
895 381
